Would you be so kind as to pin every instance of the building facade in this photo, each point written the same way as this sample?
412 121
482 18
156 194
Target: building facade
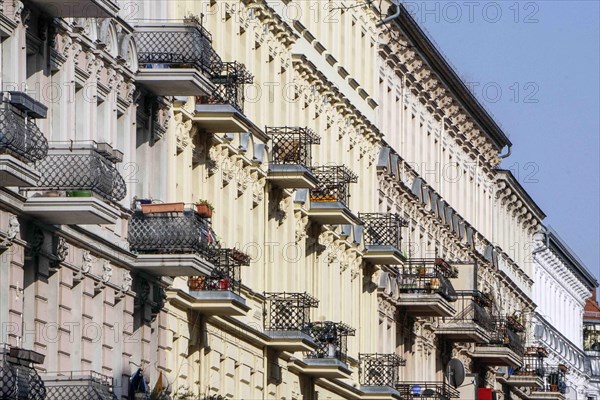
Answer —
253 200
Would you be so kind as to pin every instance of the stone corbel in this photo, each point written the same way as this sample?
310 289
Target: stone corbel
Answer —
86 266
60 252
107 272
126 283
14 229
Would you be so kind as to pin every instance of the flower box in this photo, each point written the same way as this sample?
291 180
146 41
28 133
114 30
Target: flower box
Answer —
204 210
162 208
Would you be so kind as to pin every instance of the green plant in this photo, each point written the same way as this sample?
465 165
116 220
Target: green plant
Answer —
205 203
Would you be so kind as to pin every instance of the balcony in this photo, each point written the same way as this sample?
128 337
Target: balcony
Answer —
505 347
77 385
219 293
292 157
329 359
21 145
530 373
287 321
425 288
328 201
472 321
175 242
222 110
427 390
78 8
553 387
78 184
379 375
383 238
175 59
18 377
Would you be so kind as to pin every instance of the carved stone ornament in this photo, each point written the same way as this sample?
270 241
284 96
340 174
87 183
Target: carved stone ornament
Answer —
86 266
14 228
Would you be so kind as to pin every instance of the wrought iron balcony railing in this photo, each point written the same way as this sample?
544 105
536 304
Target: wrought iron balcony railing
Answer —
170 233
229 79
18 377
331 339
334 184
533 363
183 45
504 335
78 384
382 229
427 276
554 379
380 369
472 307
80 170
226 272
289 311
427 390
20 136
292 145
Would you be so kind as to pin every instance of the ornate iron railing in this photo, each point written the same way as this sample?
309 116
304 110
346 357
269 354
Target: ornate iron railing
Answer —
427 390
226 274
18 379
533 362
554 379
20 136
181 45
229 79
472 307
334 182
331 339
380 369
169 233
382 229
289 311
503 335
292 145
427 276
78 169
78 384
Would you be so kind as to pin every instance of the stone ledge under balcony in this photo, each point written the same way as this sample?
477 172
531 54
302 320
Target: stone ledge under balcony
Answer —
14 172
521 380
207 302
526 394
425 305
174 81
331 213
383 255
71 210
224 118
463 332
290 340
79 8
291 176
330 368
173 264
379 393
497 356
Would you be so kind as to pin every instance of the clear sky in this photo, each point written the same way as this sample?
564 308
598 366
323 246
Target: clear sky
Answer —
535 66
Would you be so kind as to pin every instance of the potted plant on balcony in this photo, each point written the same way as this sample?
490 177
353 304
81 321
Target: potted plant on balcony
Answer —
204 208
240 257
197 283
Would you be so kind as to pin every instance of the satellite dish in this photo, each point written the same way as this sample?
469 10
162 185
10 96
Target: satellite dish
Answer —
456 372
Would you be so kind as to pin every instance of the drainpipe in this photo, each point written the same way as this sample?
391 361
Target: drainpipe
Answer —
508 153
391 17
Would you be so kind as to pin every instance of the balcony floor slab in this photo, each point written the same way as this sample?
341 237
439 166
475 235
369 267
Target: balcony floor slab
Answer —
173 264
291 340
174 81
383 255
71 210
331 213
463 332
496 356
330 368
14 172
291 176
425 305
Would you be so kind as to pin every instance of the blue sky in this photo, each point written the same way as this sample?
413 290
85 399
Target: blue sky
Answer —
535 66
